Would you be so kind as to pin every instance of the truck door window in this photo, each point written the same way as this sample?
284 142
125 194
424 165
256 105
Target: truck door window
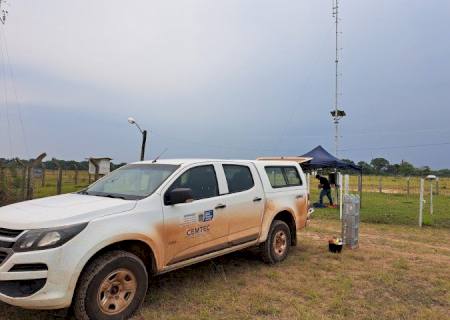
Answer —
201 180
281 177
239 178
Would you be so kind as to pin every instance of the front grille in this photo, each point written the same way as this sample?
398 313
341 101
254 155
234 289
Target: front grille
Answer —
3 256
29 267
8 233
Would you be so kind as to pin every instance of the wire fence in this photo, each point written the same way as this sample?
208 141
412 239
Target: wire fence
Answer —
386 199
21 183
396 200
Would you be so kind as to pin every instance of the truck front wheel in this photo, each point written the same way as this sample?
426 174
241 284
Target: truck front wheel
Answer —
276 247
112 287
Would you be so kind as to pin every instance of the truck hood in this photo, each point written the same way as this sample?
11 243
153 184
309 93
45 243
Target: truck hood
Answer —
60 211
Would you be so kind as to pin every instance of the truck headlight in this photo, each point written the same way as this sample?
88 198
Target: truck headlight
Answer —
41 239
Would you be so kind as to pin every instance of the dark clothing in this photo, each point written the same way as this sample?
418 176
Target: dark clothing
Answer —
325 183
326 193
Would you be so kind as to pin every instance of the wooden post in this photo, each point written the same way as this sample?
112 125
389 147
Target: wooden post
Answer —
59 177
437 186
3 186
75 177
43 176
24 182
59 181
360 189
408 186
380 184
30 181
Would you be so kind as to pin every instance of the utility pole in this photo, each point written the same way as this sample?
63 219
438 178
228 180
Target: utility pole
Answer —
337 114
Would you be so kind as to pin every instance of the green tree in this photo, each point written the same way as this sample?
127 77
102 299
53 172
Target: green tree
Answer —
366 168
406 169
380 165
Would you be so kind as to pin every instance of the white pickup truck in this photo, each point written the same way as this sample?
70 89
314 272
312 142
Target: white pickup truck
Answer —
96 249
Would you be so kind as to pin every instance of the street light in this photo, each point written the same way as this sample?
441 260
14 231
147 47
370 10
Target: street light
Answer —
144 136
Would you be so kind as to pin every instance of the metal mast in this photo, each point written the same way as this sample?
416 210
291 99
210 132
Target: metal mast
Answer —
337 114
4 10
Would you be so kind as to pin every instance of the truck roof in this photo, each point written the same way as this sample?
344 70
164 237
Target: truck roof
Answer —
200 160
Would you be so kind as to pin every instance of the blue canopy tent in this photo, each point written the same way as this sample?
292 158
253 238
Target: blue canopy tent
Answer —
322 159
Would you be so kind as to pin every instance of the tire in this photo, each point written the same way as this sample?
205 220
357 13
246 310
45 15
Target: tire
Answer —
272 251
124 279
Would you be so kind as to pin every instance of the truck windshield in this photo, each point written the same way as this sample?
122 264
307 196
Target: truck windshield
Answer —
132 182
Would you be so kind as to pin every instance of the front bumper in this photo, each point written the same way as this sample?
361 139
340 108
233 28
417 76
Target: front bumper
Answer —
37 289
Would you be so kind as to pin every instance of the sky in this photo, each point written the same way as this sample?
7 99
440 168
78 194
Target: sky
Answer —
225 79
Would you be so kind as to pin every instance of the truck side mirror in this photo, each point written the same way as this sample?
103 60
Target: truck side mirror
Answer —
178 195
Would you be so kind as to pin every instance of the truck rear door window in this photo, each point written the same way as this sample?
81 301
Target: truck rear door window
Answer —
292 177
281 177
201 180
239 178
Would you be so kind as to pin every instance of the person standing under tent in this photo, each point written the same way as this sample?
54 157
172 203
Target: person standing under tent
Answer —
324 184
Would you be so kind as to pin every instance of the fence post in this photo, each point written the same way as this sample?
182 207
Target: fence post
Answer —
23 182
341 196
421 202
30 182
59 177
43 175
360 189
346 184
59 181
437 186
431 197
408 186
3 186
380 184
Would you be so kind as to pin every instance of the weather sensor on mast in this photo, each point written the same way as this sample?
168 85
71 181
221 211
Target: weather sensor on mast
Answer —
337 113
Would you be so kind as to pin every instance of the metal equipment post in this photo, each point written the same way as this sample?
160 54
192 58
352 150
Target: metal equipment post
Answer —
421 203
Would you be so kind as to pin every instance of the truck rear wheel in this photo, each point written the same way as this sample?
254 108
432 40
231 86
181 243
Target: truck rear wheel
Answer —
276 247
112 287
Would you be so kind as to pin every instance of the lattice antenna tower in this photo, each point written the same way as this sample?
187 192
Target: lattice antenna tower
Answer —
4 10
337 114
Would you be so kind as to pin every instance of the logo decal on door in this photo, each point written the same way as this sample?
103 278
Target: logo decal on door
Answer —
206 216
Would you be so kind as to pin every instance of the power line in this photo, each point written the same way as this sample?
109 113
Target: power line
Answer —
18 101
5 91
399 147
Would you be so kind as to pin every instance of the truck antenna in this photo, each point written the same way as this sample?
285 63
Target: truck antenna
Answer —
159 156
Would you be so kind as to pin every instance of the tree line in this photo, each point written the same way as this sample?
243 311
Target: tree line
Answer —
382 166
52 164
377 166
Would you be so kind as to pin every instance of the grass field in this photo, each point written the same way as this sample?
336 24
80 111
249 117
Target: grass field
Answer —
398 272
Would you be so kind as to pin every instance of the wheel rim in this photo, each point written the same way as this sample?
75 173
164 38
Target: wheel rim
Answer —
117 291
280 243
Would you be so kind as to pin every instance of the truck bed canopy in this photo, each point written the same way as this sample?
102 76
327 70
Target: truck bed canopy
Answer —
322 159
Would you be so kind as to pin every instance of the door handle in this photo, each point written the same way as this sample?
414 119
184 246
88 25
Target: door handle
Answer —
300 196
257 199
221 206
